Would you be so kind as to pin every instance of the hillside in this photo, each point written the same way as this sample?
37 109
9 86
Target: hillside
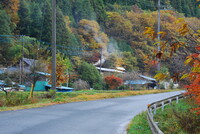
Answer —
86 26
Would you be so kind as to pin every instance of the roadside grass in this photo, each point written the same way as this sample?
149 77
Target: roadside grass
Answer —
139 125
21 100
175 119
179 118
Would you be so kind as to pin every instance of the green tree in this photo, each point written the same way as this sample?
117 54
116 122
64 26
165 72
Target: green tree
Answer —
90 74
5 29
5 23
47 22
100 10
24 14
83 9
36 21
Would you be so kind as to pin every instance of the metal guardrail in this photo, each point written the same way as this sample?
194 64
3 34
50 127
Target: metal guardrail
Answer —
151 111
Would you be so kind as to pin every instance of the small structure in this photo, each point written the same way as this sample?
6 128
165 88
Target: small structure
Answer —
39 86
27 65
43 85
142 80
59 89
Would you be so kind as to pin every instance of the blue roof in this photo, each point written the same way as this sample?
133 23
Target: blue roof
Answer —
147 78
62 87
43 73
134 82
2 83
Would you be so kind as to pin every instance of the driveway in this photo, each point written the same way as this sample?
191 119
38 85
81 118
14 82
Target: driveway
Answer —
109 116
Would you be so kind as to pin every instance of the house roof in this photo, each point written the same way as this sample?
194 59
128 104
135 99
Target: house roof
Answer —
2 83
109 70
30 62
43 73
133 82
61 87
121 68
147 78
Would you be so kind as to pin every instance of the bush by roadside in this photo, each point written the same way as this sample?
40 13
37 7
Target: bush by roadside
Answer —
175 119
179 118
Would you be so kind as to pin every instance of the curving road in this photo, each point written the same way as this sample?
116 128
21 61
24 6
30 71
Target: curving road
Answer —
109 116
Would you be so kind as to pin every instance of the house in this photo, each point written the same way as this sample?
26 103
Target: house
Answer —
25 64
42 84
142 80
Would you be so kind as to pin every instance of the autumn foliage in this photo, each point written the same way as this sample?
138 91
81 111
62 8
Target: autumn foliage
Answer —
172 46
62 65
113 82
194 76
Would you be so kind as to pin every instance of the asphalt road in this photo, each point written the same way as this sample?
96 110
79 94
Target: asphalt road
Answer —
109 116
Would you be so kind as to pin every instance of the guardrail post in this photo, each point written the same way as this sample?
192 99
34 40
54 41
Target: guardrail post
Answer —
154 108
177 99
163 105
170 101
150 110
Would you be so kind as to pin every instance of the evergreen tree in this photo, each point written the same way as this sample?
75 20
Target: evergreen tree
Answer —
4 30
47 22
185 8
100 10
25 20
62 32
36 21
82 9
5 23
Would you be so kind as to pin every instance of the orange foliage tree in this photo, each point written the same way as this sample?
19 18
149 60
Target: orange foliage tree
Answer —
113 82
62 64
190 46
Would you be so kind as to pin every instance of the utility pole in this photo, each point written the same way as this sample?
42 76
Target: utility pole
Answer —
158 36
22 62
101 58
20 72
53 75
67 77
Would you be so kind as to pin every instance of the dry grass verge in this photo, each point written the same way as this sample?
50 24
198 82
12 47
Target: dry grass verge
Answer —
40 101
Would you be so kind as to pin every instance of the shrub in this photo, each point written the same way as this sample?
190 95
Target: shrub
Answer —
99 86
81 84
178 118
113 82
123 87
16 99
8 82
189 121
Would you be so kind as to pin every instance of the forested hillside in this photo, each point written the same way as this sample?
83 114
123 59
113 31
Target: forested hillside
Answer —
85 27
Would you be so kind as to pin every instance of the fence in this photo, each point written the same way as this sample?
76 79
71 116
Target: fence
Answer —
151 111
